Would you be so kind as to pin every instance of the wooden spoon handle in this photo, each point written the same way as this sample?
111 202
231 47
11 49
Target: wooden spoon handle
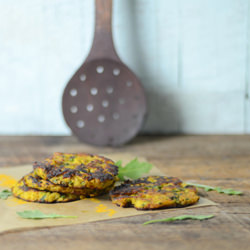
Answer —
103 15
103 46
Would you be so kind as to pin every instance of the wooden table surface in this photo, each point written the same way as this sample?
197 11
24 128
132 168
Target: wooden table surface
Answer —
213 160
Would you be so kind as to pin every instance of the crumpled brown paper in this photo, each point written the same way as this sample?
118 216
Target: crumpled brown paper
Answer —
87 210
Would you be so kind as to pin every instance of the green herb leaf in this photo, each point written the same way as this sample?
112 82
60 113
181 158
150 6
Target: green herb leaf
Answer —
228 191
36 214
119 164
5 194
134 169
181 217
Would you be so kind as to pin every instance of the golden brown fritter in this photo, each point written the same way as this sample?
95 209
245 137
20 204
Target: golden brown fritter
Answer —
154 192
78 171
21 191
33 181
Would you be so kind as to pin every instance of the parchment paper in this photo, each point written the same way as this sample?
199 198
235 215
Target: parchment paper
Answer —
87 210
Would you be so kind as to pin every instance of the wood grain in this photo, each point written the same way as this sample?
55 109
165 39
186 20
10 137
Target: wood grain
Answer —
212 160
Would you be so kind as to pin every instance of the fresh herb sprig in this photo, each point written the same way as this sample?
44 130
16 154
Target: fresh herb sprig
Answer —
228 191
133 170
37 214
181 217
5 194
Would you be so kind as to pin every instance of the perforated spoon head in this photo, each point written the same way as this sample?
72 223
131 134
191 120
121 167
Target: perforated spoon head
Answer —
104 104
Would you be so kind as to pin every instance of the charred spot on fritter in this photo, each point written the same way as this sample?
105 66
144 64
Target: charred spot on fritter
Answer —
154 192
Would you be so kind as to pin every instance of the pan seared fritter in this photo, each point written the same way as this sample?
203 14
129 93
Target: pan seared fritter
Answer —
78 171
20 190
33 181
154 192
67 177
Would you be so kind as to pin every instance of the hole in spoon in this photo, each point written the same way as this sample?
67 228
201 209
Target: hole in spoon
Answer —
73 92
80 123
73 109
129 83
116 72
93 91
90 107
116 116
105 103
99 69
110 90
101 118
83 77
